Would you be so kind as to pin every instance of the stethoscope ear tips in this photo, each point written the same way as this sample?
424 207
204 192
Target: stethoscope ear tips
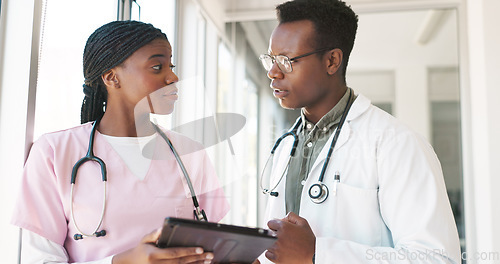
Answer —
266 191
100 233
96 234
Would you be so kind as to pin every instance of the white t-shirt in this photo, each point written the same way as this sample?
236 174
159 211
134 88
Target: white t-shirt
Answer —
130 149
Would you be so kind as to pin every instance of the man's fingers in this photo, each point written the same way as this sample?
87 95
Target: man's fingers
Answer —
294 219
274 224
270 255
277 224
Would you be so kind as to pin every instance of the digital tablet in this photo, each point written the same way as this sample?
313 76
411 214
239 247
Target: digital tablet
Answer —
229 243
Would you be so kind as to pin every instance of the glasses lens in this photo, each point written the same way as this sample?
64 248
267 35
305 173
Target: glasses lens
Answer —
267 61
284 63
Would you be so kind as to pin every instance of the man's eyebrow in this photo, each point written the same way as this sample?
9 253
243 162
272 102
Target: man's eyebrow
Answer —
285 53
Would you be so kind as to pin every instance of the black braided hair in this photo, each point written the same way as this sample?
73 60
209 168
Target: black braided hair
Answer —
334 21
106 48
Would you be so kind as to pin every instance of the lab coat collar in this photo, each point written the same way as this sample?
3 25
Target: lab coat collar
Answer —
359 106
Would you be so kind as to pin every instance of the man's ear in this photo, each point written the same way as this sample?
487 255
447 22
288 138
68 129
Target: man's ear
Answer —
334 61
110 79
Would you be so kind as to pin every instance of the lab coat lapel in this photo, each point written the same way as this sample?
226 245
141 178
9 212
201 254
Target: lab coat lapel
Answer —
359 106
343 137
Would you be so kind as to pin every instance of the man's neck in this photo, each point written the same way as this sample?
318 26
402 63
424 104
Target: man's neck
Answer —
314 113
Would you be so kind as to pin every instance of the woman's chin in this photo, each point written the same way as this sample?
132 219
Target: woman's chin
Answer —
164 110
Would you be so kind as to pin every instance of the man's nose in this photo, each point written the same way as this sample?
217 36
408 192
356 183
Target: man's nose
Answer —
275 72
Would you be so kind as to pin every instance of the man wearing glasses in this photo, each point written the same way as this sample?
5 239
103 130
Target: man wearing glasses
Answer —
385 198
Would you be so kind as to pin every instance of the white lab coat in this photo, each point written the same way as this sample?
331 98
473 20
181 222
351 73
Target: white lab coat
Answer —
391 204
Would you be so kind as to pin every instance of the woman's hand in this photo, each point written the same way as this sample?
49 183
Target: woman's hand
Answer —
147 252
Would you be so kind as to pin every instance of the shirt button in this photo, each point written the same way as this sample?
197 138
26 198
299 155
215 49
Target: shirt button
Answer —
309 126
309 144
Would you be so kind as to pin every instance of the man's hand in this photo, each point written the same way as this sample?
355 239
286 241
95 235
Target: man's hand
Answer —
296 242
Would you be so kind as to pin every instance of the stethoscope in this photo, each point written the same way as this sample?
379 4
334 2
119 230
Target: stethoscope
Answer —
318 192
198 213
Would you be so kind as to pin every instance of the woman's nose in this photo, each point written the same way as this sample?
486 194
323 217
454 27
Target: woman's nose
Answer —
171 78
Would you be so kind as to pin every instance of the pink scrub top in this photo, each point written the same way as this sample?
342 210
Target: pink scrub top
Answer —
134 207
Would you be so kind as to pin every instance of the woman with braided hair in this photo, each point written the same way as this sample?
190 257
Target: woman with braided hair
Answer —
128 75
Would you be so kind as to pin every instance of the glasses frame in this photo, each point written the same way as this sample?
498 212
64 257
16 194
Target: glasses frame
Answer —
286 59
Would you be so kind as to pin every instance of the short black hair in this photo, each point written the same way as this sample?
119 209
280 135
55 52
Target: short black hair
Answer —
335 23
109 46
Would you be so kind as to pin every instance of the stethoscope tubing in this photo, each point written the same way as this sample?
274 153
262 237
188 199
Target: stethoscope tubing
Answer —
95 232
335 138
293 132
89 157
271 191
200 214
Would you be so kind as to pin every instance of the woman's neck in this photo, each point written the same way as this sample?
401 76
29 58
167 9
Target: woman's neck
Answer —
124 126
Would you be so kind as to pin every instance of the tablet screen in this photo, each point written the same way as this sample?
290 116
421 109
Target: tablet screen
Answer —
229 243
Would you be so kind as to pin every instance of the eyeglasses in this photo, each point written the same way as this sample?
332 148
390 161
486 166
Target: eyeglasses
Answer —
284 63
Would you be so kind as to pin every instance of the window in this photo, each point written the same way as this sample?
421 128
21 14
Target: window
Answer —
237 93
444 99
160 13
65 29
363 82
66 25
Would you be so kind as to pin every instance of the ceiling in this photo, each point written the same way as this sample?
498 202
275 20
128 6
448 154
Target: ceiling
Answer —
242 10
235 5
258 17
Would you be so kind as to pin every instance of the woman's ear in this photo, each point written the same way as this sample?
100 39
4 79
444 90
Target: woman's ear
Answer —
334 61
110 79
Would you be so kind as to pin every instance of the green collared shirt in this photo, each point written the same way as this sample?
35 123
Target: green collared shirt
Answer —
312 138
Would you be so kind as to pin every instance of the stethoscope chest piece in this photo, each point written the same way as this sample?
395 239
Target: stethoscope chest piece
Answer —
318 192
